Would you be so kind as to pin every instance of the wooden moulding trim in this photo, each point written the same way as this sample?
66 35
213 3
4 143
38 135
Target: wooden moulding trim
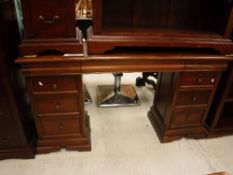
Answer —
157 40
48 60
130 57
150 66
116 66
102 47
168 57
50 71
153 37
34 46
206 67
157 57
128 63
50 68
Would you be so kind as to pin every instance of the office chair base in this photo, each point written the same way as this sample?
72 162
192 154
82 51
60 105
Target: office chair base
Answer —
126 97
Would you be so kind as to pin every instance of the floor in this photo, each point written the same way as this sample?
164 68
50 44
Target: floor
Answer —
124 143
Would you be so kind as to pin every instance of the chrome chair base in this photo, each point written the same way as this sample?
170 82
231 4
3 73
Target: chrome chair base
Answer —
87 97
107 97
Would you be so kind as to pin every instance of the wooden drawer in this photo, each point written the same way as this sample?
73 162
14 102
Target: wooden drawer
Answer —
192 97
58 105
185 118
55 84
65 125
49 19
201 79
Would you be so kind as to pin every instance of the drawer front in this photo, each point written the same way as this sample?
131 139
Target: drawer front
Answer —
187 118
57 105
54 84
60 125
202 79
192 98
52 19
8 134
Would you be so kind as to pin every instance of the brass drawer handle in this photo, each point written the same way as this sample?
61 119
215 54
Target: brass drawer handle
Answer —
54 20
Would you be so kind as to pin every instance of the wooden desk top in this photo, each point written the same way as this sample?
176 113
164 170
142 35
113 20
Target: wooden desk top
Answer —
162 62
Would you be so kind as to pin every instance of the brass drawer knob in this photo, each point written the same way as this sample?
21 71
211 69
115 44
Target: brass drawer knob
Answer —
194 98
54 86
52 21
40 83
57 107
61 126
212 80
200 80
189 118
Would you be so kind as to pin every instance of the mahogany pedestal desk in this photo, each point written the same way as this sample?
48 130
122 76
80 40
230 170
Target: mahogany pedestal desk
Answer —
183 97
125 36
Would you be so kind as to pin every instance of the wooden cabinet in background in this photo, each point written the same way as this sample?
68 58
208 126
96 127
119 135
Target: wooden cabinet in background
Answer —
161 23
187 40
220 117
50 26
17 131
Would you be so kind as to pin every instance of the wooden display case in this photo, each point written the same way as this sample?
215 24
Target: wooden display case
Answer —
50 26
166 23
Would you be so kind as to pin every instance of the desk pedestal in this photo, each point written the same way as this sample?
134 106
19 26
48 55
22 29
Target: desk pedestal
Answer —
181 103
57 95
